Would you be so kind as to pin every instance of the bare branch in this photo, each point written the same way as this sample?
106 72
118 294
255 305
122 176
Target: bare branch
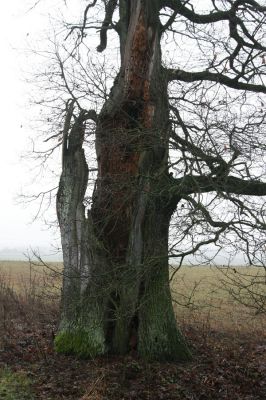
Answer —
109 11
86 14
179 7
180 75
230 184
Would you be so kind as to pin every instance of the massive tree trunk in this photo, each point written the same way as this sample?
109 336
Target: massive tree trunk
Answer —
116 294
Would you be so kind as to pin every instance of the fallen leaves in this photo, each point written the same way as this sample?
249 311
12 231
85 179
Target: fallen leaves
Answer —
224 367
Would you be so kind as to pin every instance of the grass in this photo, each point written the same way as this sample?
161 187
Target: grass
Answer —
15 386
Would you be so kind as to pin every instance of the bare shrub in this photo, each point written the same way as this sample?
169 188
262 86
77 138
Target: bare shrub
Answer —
28 305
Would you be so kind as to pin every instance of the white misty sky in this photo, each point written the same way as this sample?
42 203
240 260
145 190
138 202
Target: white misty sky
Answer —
18 26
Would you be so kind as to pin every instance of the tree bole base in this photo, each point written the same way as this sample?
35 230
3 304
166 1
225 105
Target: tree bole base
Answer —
83 344
160 348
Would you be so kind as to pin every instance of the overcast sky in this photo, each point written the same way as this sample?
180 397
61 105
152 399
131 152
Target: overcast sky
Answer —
18 26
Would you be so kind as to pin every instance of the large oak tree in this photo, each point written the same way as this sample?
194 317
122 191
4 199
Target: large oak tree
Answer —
174 138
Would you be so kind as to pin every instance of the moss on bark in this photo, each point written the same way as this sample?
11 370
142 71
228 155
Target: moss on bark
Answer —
84 343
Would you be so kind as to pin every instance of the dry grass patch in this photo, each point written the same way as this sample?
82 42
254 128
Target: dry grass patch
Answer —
226 364
221 298
228 299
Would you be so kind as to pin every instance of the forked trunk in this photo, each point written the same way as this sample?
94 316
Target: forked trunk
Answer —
116 294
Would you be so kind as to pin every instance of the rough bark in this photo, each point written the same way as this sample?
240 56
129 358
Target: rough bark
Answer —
116 294
81 327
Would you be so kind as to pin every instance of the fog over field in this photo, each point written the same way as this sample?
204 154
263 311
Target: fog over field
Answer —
54 254
21 254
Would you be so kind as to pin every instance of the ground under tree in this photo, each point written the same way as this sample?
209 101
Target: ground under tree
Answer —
116 295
